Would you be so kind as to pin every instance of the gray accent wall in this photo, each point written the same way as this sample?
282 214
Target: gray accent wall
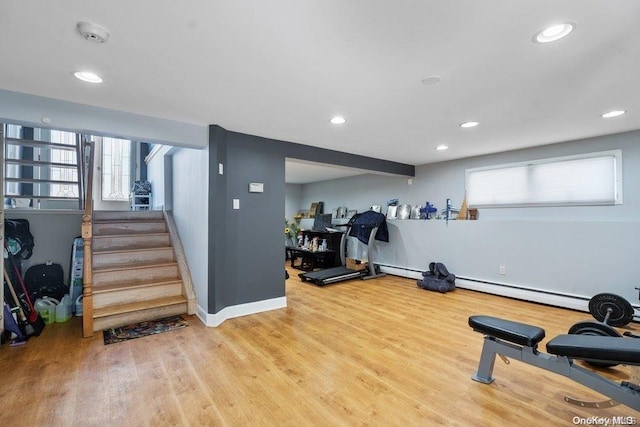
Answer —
245 266
245 245
340 158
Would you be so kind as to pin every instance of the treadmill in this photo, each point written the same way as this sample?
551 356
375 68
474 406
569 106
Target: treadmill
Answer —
341 273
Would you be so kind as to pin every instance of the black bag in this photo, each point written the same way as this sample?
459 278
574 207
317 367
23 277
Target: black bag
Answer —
45 280
437 278
19 238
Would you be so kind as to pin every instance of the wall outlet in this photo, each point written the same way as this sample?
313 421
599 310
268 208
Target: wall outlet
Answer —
503 270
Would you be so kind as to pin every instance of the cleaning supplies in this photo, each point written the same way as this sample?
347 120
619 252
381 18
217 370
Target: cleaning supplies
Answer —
46 307
78 305
63 310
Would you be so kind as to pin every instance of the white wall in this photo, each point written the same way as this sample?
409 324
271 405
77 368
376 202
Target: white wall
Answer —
191 213
438 181
568 250
28 110
156 176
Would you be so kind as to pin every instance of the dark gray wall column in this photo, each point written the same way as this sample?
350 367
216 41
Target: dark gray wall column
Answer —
245 260
246 252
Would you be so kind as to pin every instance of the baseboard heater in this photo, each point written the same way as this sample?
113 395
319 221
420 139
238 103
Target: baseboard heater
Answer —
573 302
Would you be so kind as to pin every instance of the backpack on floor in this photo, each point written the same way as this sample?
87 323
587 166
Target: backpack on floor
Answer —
45 280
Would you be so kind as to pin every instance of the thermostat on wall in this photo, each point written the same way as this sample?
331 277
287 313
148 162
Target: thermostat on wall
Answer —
256 187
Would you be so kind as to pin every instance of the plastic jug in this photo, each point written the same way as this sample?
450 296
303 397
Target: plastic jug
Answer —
46 307
63 310
78 305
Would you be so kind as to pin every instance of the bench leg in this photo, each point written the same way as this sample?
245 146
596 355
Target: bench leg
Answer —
487 361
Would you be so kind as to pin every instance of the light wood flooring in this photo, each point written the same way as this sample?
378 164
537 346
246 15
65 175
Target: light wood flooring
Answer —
381 352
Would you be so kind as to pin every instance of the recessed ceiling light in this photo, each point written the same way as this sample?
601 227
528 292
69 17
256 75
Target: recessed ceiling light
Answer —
431 80
614 113
87 76
469 124
554 32
442 147
338 120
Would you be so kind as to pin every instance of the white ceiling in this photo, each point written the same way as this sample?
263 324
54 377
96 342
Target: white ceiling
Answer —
304 172
282 68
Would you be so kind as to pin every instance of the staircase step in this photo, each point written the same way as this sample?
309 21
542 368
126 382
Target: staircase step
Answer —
134 273
128 292
125 314
131 241
102 259
127 215
110 228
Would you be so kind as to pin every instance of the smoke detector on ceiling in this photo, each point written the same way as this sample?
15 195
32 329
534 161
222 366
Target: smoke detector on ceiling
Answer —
92 32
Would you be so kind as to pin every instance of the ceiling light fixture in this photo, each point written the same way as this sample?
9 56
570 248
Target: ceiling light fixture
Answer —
469 124
92 32
614 113
88 77
555 32
442 147
338 120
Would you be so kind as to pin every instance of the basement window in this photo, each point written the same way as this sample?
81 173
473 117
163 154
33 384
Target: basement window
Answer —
586 179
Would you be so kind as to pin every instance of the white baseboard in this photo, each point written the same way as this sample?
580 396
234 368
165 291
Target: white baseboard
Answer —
573 302
239 310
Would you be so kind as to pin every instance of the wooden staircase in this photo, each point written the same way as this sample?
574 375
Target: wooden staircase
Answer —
138 269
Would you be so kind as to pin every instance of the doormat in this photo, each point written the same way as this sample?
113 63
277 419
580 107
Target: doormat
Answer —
143 329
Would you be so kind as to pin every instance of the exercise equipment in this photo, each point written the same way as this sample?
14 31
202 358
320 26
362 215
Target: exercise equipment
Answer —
609 310
519 341
370 222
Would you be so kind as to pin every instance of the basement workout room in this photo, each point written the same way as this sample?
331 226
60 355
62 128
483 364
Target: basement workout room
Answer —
319 213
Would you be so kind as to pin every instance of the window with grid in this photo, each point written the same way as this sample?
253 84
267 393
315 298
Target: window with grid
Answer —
41 168
67 176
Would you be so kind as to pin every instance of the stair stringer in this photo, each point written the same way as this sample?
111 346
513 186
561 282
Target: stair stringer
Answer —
183 266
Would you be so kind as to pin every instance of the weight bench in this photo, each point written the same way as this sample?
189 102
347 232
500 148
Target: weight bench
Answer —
519 341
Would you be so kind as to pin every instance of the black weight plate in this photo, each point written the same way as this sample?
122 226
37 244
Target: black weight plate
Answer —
621 310
593 328
597 329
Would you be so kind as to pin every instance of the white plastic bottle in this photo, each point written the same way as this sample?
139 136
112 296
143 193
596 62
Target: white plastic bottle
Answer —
79 305
63 310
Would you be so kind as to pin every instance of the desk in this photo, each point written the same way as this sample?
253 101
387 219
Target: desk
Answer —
333 243
310 260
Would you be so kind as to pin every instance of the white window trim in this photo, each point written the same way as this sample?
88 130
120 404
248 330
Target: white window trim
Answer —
618 197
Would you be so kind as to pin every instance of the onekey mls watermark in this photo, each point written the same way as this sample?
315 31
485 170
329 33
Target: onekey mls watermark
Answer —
605 421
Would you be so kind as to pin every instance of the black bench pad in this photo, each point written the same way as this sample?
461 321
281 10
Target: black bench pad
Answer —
596 348
515 332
